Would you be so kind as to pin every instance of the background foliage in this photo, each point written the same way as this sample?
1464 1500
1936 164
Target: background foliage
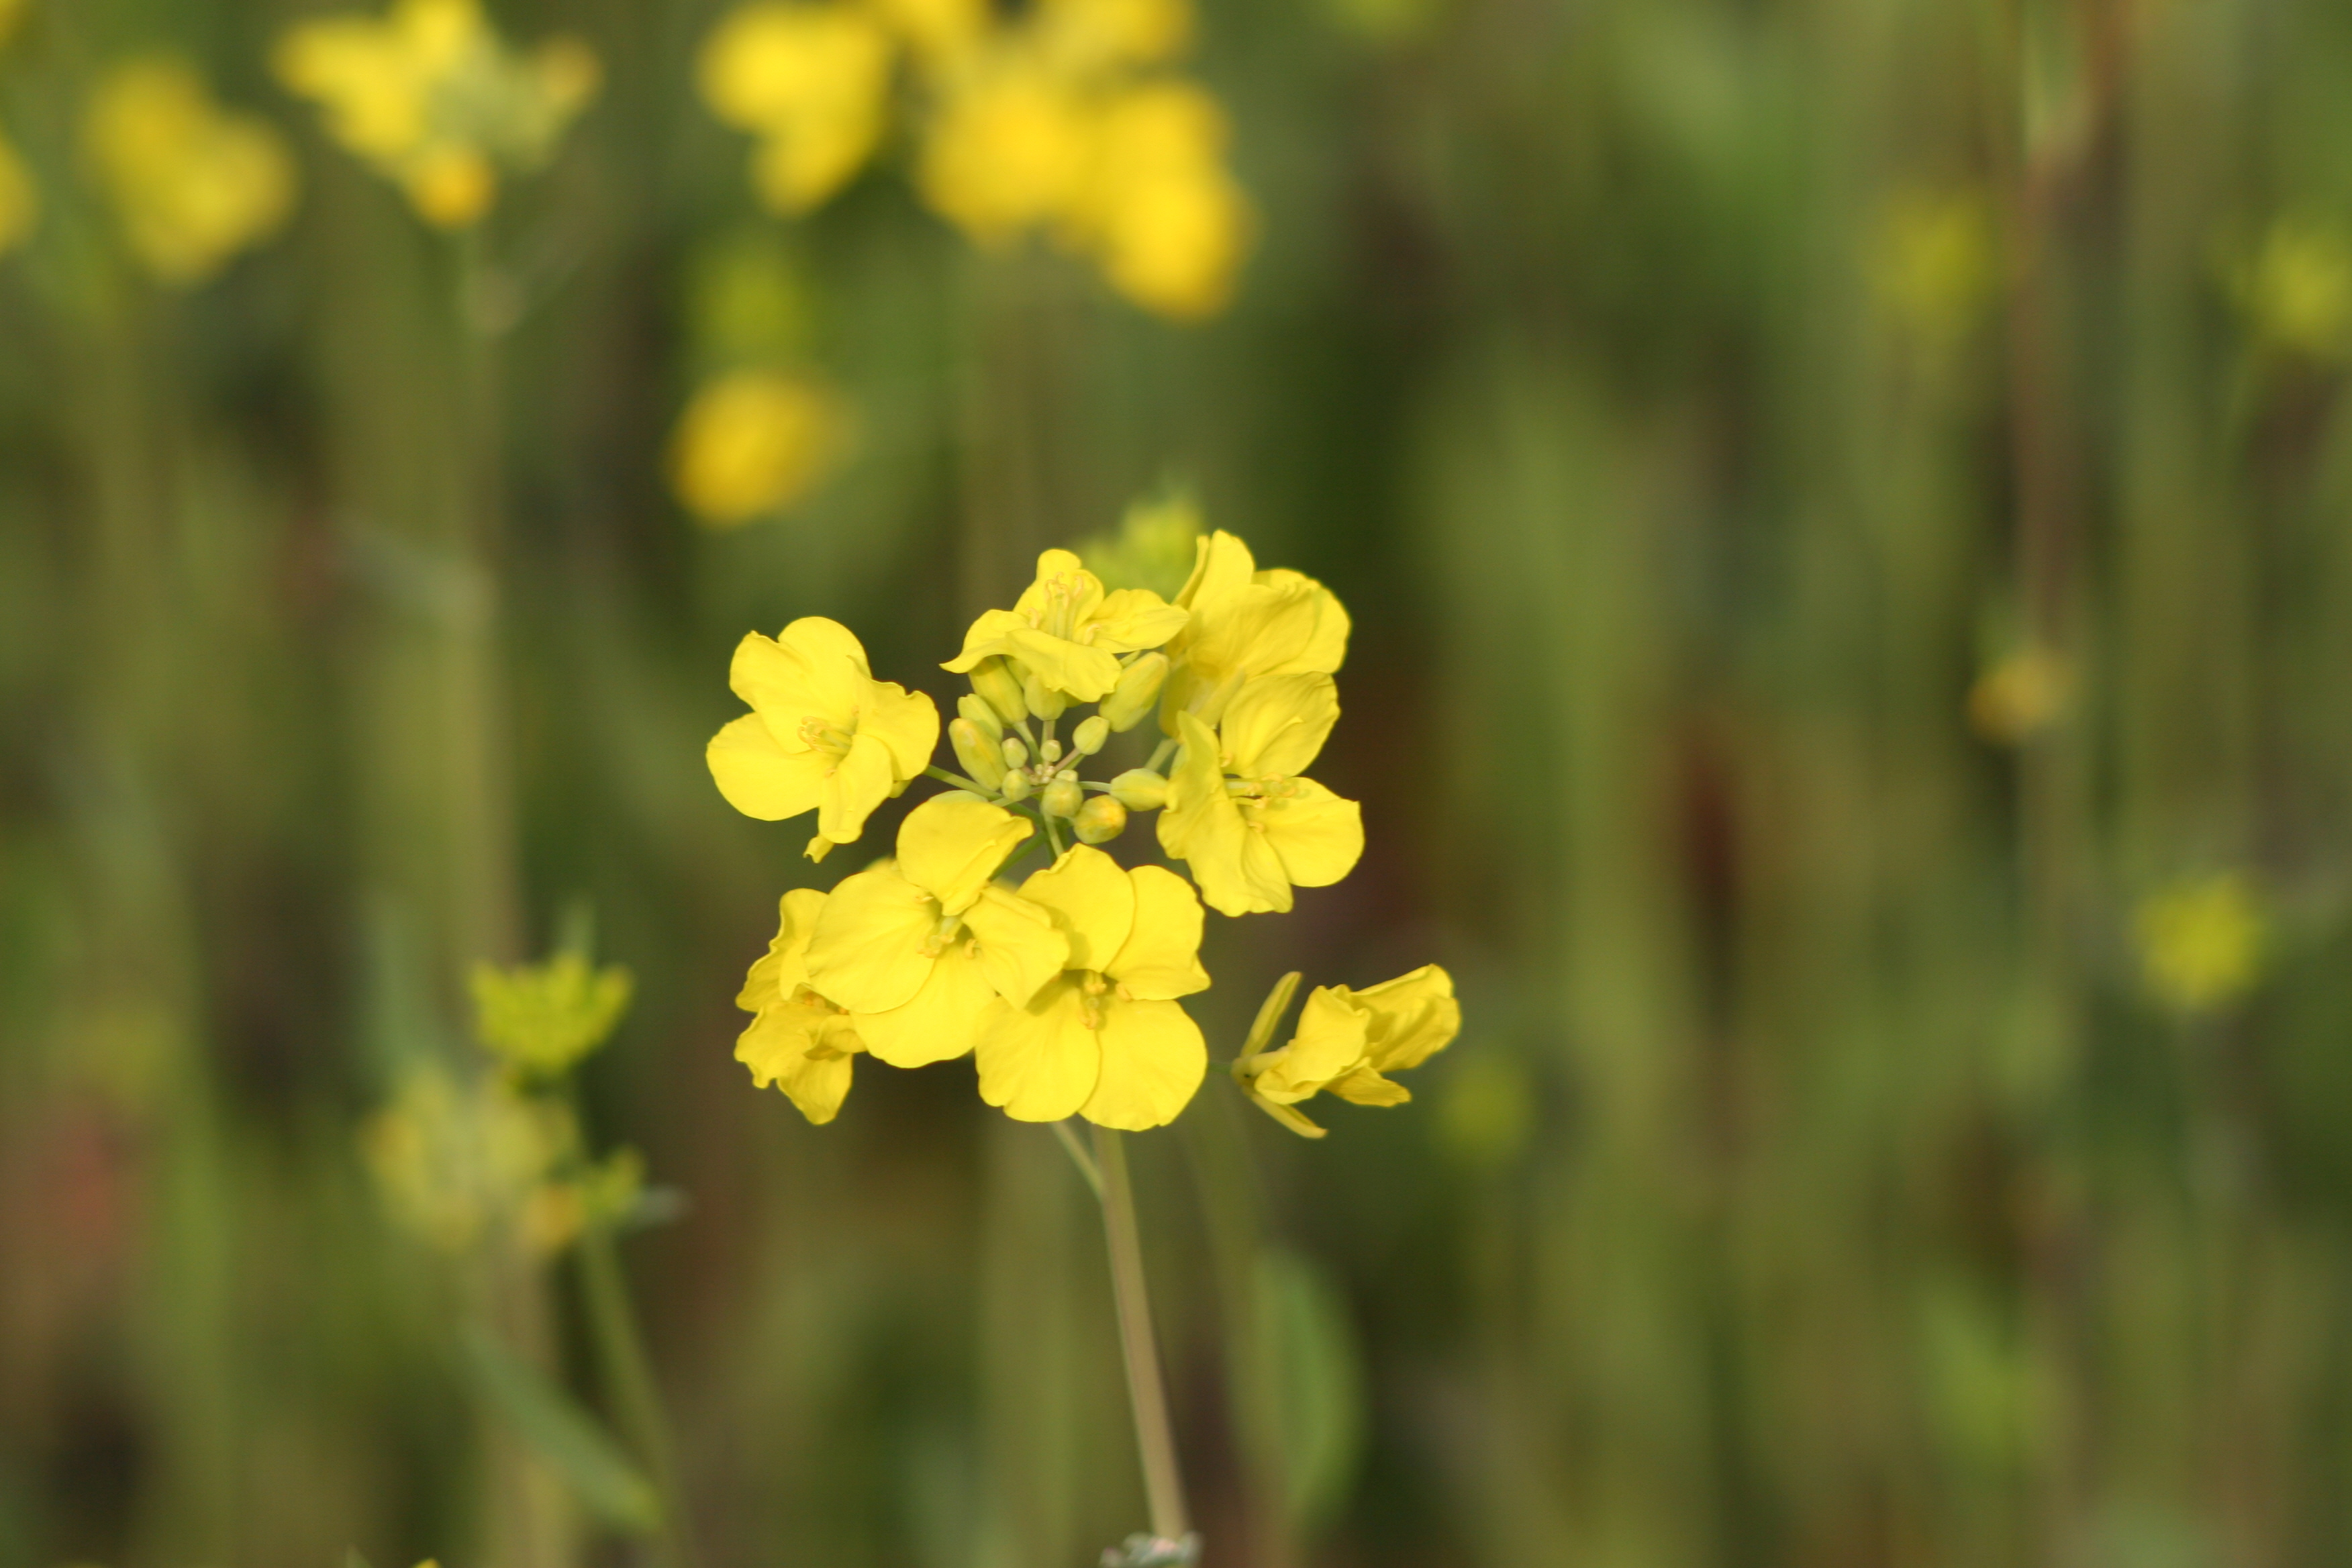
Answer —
1692 400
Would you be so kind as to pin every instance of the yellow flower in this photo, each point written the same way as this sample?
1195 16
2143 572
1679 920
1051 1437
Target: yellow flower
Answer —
1090 37
2296 291
435 101
2020 697
1348 1041
1248 828
11 12
917 948
797 1040
1105 1039
1244 623
1067 632
542 1018
193 184
2202 941
755 442
1166 220
452 1161
1934 260
823 734
1008 151
811 81
20 203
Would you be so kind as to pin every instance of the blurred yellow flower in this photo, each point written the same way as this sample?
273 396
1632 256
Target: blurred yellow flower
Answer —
10 12
1106 1038
1067 632
2020 697
20 202
454 1161
2202 941
435 101
755 442
1933 262
1246 623
191 184
823 734
797 1040
2296 291
1248 828
811 82
542 1018
1159 211
1349 1041
918 947
1154 547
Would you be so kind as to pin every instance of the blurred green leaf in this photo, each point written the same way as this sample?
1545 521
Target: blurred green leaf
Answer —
567 1437
1315 1378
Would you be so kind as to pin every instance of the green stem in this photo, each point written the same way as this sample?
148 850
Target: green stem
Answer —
1159 755
959 780
1079 1156
1155 1440
629 1379
1053 833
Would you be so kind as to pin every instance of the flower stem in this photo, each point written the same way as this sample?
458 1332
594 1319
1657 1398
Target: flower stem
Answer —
1155 1440
629 1374
957 780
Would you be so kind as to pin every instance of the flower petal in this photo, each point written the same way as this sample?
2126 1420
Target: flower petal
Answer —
1039 1062
1153 1059
780 971
1015 943
1414 1017
986 636
1273 726
903 721
1087 674
1136 619
801 1048
1319 836
1331 1042
1221 564
939 1022
855 784
759 777
1092 900
1367 1087
1160 959
867 953
815 668
953 844
1327 650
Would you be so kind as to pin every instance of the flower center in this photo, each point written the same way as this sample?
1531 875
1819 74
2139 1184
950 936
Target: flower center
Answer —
942 935
823 737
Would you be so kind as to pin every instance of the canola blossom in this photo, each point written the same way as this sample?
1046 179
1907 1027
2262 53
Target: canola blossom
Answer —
431 98
1064 120
191 184
752 443
1067 988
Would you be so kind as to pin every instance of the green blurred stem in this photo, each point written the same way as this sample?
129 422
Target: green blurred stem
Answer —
1155 1440
1079 1156
1053 833
957 780
629 1379
1160 753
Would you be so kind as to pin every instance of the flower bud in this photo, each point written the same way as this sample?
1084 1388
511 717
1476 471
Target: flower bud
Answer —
1049 749
973 706
1139 789
1043 700
1138 689
998 687
1088 736
1100 820
1016 755
982 759
1063 797
1016 786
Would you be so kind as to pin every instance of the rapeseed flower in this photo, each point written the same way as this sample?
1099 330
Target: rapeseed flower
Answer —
798 1041
918 948
755 442
432 99
541 1019
1249 826
2202 941
453 1162
1245 623
1069 632
191 184
1349 1041
823 734
811 82
1104 1040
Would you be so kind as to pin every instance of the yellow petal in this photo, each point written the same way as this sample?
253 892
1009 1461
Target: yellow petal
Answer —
759 777
816 669
953 844
1414 1017
801 1049
854 783
779 971
1136 619
1274 725
1160 959
986 637
1152 1061
1063 585
1015 943
1331 1042
1196 787
1326 648
867 953
1319 836
939 1022
1092 900
1236 868
1220 564
1039 1062
1367 1087
905 721
1088 674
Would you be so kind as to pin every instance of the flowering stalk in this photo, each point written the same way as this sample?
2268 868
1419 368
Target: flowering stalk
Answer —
1155 1440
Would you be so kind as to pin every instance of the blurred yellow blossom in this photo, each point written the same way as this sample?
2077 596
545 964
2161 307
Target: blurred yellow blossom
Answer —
2296 291
797 1040
1349 1041
191 184
1159 211
10 12
2020 697
454 1161
1932 262
20 203
755 442
823 734
1154 547
2202 941
542 1018
811 82
435 101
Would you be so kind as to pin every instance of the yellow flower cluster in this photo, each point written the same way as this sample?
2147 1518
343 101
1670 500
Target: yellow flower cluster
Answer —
1066 989
1061 118
753 442
434 100
191 183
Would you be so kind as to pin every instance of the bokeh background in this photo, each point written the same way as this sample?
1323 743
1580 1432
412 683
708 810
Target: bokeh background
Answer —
1844 508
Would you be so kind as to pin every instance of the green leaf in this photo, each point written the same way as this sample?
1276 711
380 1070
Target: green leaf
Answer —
1316 1385
573 1442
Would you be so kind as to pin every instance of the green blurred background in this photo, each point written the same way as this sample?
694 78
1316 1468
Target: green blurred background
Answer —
1840 501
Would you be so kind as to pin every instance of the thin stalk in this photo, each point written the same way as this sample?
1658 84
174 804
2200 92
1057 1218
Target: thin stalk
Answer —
629 1379
959 780
1155 1440
1079 1157
1053 833
1160 753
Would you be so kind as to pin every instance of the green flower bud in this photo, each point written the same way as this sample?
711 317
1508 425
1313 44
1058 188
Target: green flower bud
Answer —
1100 820
1049 749
1139 789
1015 787
973 706
998 687
982 761
1063 797
1015 755
1088 736
1138 689
1041 700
